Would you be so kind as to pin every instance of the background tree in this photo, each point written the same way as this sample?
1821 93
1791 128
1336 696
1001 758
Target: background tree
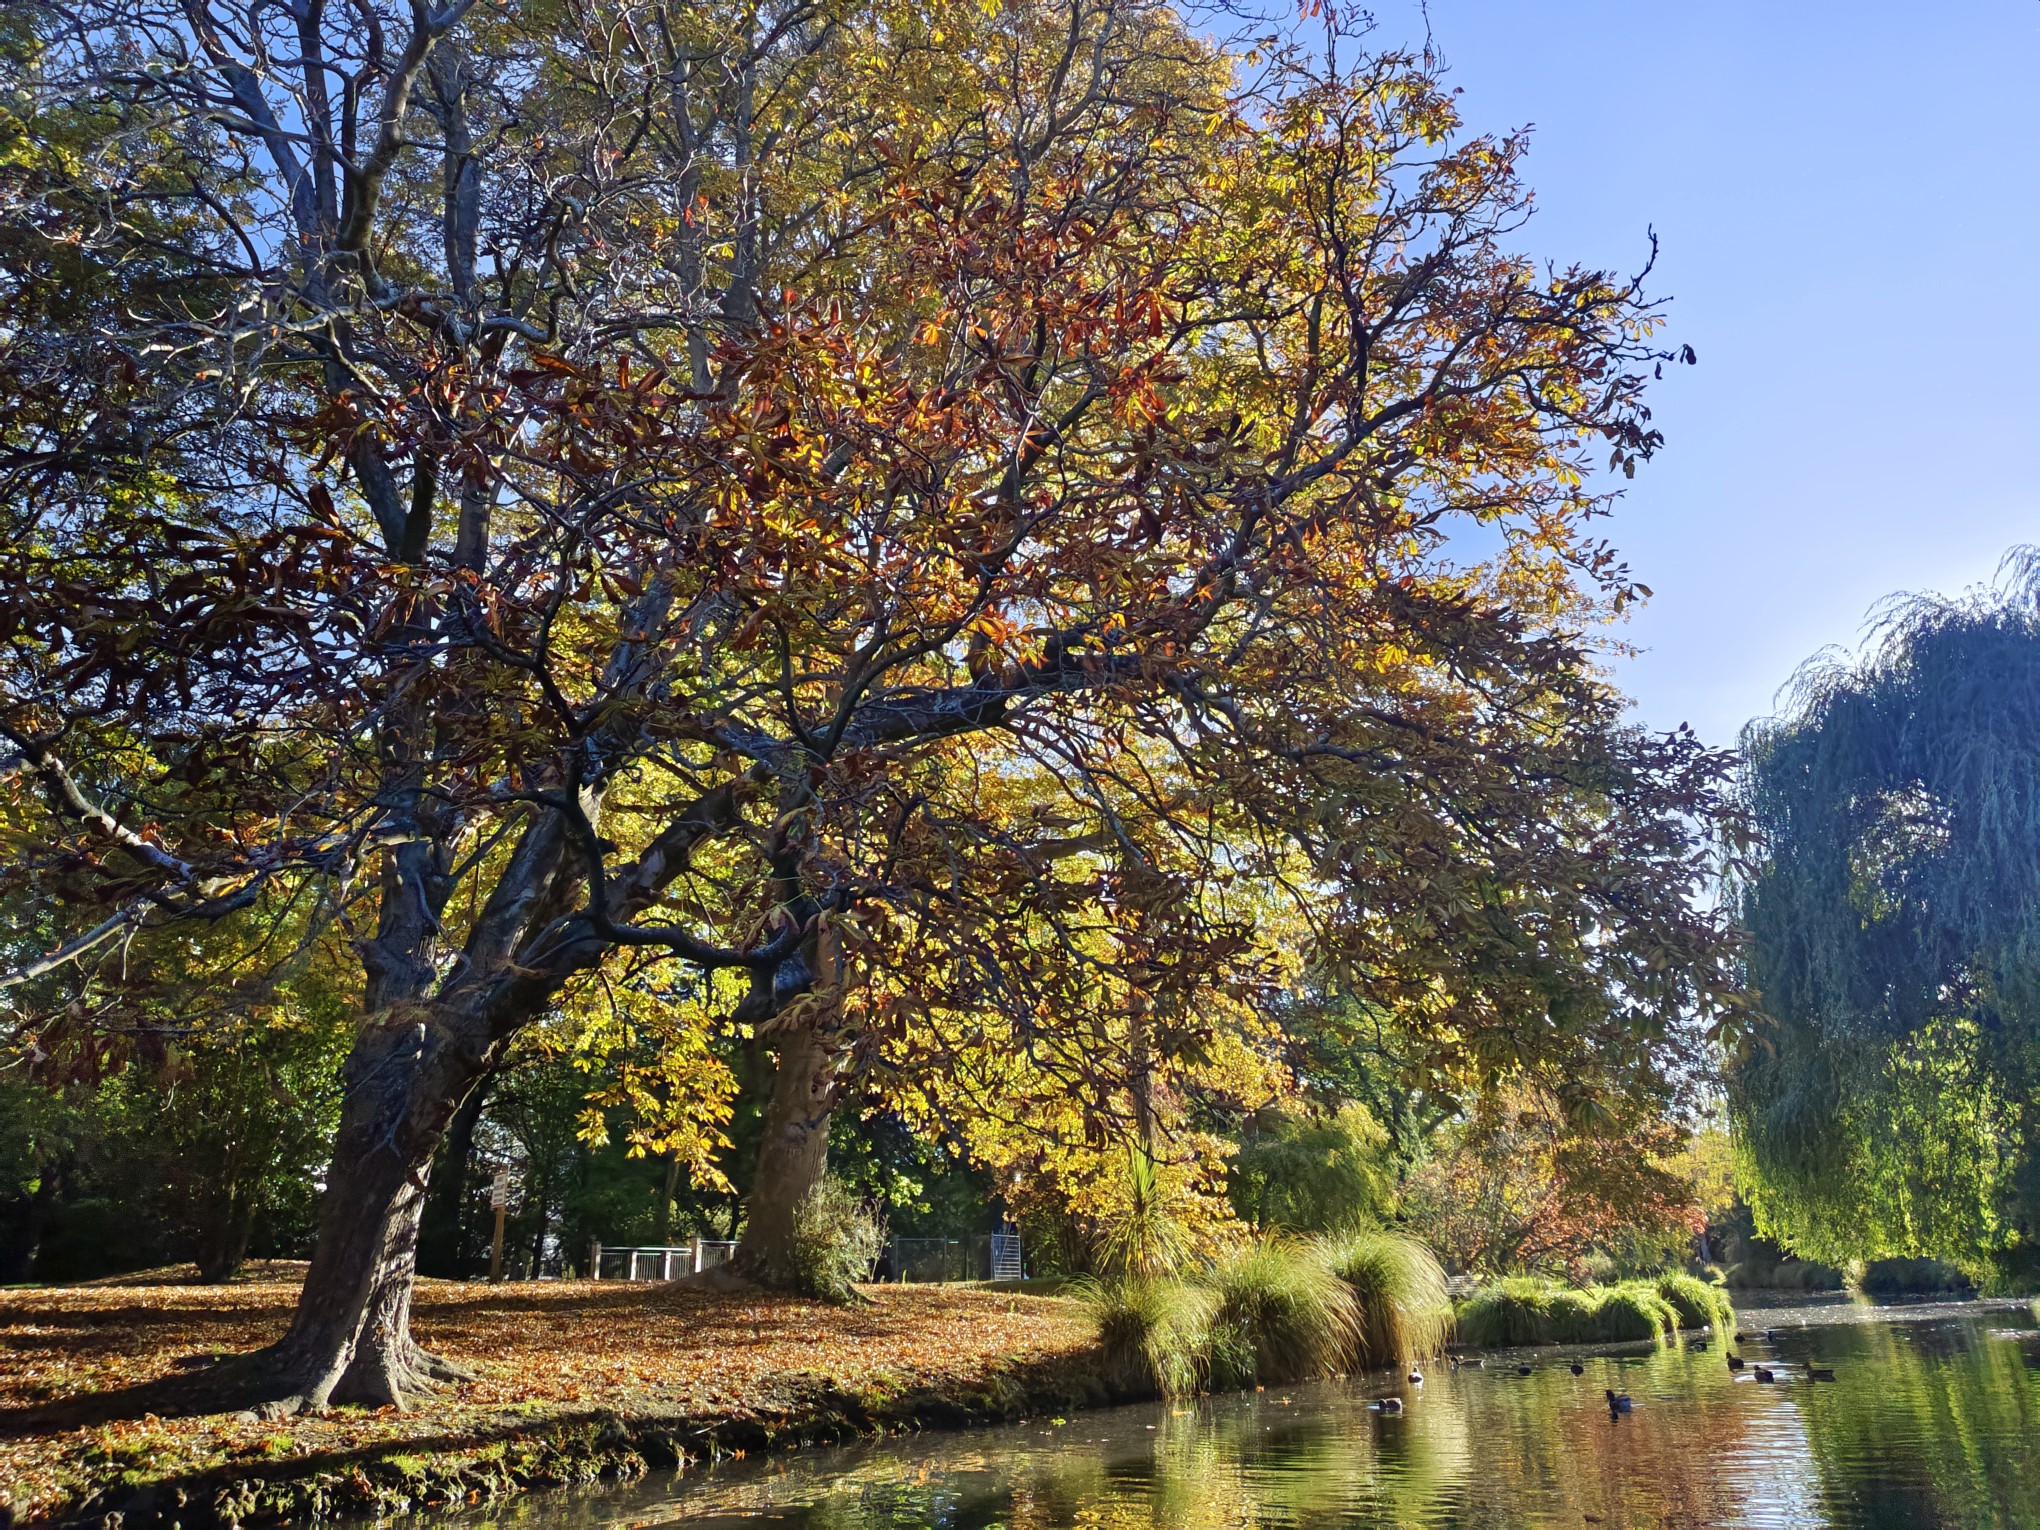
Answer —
1893 909
1513 1189
753 487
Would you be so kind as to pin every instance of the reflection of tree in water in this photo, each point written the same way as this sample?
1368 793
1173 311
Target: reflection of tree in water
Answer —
1940 1429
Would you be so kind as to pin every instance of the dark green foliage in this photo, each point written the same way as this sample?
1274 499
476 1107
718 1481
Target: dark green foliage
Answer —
208 1151
1908 1277
1894 916
1758 1273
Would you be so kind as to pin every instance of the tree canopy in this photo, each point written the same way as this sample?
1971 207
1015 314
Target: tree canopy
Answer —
935 537
1893 908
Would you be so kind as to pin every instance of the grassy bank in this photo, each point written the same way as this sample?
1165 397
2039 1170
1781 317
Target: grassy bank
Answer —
575 1382
1525 1310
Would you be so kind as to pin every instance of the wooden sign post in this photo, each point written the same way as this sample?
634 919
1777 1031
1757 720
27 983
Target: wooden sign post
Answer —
499 1198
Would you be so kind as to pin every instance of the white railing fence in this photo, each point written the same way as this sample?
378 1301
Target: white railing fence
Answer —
660 1261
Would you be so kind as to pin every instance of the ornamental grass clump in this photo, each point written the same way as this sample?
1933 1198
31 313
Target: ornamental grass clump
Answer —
1526 1310
1631 1312
1278 1314
1572 1315
1154 1335
1399 1294
1517 1310
1698 1303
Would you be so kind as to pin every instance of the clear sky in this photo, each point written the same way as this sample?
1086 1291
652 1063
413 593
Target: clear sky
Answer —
1848 199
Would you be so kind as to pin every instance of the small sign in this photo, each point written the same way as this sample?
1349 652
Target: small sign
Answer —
499 1190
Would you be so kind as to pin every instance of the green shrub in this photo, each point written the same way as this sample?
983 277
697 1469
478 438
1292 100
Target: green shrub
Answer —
837 1238
1154 1334
1908 1277
1399 1294
1278 1314
1759 1274
1698 1304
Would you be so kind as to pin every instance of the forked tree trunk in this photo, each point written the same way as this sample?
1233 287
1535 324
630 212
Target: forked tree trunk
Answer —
351 1338
793 1153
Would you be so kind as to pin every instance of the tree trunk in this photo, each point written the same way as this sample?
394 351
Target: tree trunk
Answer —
793 1153
225 1246
17 1262
663 1232
442 1243
351 1339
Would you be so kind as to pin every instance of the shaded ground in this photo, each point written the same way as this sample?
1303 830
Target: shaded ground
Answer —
88 1379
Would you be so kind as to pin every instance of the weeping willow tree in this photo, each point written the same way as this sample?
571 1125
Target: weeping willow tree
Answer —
1893 913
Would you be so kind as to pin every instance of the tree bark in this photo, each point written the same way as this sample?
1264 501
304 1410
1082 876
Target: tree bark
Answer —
350 1339
793 1152
442 1248
663 1230
225 1249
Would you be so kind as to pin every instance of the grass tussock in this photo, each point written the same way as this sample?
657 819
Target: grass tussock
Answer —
1699 1303
1526 1310
1398 1286
1155 1335
1279 1314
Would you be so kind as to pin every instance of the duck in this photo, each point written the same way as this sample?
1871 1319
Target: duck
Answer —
1390 1405
1819 1372
1618 1402
1764 1374
1735 1362
1577 1369
1771 1335
1741 1337
1522 1370
1416 1376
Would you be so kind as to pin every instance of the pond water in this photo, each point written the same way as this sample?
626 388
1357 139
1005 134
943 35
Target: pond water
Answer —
1933 1419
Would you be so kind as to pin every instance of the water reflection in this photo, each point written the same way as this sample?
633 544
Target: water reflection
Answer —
1931 1422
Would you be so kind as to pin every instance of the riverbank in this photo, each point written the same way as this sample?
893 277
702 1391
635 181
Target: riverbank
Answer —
574 1382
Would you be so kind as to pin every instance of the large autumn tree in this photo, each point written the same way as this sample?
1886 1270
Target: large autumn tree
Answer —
893 512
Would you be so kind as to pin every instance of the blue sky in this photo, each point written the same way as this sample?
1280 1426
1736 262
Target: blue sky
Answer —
1848 199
